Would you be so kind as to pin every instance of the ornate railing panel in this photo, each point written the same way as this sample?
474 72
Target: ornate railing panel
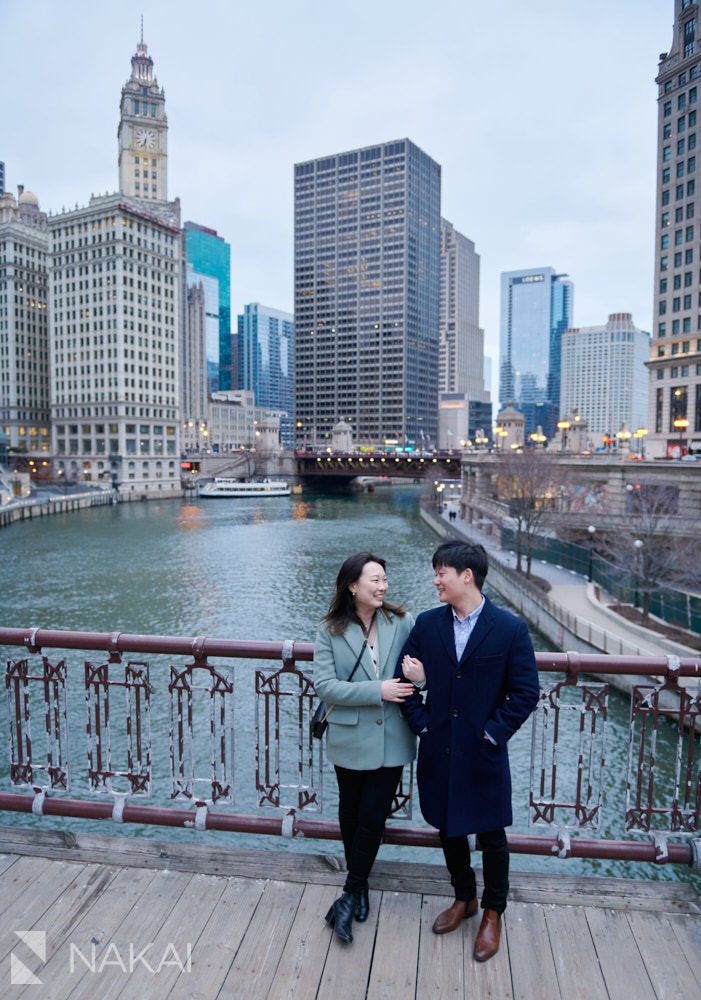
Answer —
129 741
580 806
201 696
27 767
663 796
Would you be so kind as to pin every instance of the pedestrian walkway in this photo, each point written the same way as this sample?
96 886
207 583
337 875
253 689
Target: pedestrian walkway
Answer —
572 591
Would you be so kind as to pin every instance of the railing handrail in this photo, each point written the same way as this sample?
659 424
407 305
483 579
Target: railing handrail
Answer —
571 663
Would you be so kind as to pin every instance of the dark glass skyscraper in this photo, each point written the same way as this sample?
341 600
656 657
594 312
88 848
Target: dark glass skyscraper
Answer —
210 256
367 295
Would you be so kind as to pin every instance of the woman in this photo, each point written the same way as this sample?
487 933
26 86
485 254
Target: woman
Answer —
357 647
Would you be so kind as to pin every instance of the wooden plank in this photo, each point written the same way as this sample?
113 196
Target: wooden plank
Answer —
137 929
578 972
394 968
440 970
688 933
6 861
493 977
417 876
347 968
664 959
60 919
27 910
95 929
19 877
302 963
253 969
174 942
214 951
530 954
619 956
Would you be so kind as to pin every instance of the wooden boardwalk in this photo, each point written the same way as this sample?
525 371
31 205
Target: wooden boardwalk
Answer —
249 925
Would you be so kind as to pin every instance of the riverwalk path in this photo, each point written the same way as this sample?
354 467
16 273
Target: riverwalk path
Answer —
574 593
130 918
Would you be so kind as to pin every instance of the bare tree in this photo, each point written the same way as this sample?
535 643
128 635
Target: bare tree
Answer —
654 544
533 486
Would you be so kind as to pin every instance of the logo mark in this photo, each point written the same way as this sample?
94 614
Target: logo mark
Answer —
20 975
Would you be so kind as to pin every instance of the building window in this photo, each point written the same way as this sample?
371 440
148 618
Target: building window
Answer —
666 153
678 405
667 131
681 102
688 256
659 403
675 327
665 197
666 175
686 325
689 36
660 374
664 241
661 329
667 108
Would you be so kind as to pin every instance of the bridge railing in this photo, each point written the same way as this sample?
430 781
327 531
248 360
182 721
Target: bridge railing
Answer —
101 724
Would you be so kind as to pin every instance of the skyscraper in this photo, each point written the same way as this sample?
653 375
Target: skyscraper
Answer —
604 376
24 324
266 361
536 309
2 177
116 294
367 294
461 355
675 358
210 257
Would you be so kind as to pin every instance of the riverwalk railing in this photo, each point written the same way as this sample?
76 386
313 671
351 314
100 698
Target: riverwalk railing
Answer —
196 689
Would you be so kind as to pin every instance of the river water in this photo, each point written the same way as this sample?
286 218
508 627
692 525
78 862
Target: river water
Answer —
248 569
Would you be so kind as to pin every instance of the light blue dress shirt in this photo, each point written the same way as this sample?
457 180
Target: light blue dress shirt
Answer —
462 630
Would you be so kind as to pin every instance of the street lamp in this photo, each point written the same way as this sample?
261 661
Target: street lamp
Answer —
592 531
681 424
537 437
637 545
501 433
624 436
640 435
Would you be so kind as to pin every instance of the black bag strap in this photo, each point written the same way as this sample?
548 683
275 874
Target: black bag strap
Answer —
366 636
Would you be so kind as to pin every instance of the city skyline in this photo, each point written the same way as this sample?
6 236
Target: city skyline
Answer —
231 162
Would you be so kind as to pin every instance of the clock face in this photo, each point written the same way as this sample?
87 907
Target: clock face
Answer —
145 138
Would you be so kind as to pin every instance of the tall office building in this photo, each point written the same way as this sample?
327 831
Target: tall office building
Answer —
461 348
194 388
115 303
536 309
2 177
367 295
604 375
24 325
266 361
210 258
675 360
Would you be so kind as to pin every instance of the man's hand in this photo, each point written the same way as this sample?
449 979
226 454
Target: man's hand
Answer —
395 690
413 670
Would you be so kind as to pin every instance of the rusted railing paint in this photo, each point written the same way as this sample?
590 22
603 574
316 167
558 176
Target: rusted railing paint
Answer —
290 825
127 642
648 801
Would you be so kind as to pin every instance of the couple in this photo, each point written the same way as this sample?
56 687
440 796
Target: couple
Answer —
475 665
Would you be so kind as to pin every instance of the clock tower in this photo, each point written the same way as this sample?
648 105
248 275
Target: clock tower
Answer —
143 132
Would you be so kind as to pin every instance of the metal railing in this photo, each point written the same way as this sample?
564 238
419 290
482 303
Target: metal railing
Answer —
197 700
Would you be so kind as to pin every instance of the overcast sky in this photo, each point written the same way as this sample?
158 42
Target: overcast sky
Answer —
542 115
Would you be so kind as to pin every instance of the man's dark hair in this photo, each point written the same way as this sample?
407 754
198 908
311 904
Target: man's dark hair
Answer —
462 556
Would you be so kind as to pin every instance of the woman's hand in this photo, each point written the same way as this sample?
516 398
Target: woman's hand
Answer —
395 690
413 670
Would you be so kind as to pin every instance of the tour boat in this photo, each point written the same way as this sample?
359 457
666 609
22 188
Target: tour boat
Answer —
224 487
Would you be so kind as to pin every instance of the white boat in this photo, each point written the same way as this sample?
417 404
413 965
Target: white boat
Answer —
226 487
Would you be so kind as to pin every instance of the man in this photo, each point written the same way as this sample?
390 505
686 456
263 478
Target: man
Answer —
477 666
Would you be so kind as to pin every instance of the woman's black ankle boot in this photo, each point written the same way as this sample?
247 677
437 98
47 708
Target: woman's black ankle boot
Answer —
340 916
362 907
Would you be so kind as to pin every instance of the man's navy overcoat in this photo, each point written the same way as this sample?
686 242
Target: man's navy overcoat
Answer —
464 779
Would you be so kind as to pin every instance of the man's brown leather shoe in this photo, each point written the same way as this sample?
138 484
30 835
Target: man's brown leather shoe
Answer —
487 940
449 919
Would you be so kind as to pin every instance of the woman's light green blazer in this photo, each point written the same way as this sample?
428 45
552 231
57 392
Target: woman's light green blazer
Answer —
364 731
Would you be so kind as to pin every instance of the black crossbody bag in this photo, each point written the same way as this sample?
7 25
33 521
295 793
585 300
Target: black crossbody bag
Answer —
318 723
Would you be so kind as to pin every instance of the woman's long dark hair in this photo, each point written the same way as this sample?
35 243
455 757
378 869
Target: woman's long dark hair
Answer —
342 608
